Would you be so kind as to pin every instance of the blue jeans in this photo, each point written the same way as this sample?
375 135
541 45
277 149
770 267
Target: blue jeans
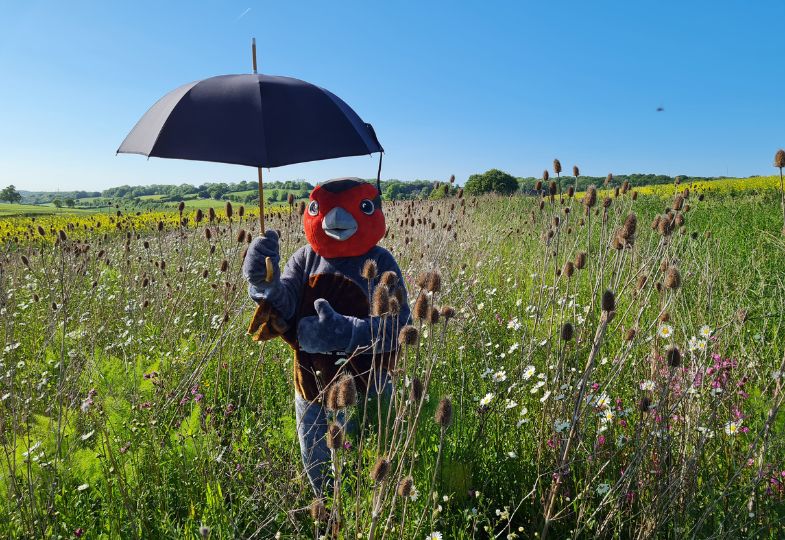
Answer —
312 421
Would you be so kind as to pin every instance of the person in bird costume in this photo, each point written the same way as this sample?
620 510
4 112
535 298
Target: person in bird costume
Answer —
321 305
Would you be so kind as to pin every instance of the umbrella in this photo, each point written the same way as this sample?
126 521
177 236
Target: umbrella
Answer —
251 119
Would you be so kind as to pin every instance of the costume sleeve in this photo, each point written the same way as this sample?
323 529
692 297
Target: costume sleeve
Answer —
285 295
382 330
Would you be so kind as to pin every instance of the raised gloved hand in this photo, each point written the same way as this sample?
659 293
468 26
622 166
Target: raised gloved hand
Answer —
255 265
328 330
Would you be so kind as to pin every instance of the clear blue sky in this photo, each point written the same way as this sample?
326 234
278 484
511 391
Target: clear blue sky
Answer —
451 87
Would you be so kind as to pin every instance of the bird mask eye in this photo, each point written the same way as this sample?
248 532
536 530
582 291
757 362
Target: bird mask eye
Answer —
367 206
313 208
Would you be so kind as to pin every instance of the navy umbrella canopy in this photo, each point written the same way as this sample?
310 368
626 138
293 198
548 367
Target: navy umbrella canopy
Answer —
251 119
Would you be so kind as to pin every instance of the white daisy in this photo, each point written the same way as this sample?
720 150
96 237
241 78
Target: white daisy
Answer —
665 331
705 332
499 376
732 428
486 400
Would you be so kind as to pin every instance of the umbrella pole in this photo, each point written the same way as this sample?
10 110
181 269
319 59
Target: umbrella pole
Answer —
261 183
267 261
261 203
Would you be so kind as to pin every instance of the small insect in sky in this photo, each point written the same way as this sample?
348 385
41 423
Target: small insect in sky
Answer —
660 109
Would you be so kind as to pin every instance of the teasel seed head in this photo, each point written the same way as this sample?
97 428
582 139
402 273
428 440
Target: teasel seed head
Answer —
25 261
433 316
395 306
301 208
672 278
405 487
674 357
380 470
443 415
421 279
228 209
590 199
665 316
678 202
241 211
571 191
416 390
580 260
408 335
552 187
447 312
224 265
41 231
381 301
538 185
342 393
641 281
609 179
211 214
433 281
630 334
608 301
208 234
290 199
334 436
421 308
665 225
319 511
545 175
370 269
181 207
606 202
241 236
569 269
556 166
779 159
62 235
567 331
629 227
389 279
199 215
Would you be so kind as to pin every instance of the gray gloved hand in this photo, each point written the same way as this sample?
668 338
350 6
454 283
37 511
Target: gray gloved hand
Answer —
255 266
328 330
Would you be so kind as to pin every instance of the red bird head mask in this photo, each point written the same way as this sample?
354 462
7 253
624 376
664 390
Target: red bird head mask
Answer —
344 218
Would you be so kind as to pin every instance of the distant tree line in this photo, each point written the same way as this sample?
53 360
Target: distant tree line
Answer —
491 181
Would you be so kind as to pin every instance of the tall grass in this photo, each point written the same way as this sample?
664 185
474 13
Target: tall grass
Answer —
528 401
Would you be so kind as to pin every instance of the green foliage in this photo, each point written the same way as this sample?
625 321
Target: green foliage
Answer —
10 194
492 181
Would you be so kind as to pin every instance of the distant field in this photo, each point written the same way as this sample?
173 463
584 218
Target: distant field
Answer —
697 185
36 209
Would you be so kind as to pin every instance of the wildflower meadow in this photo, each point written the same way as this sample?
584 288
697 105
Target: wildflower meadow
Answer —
600 364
